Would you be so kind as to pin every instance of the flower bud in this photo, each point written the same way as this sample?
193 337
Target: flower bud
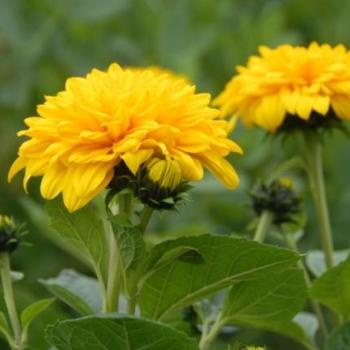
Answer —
8 234
278 197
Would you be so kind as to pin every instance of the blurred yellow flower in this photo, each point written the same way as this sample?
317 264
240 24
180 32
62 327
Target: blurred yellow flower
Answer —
122 115
289 81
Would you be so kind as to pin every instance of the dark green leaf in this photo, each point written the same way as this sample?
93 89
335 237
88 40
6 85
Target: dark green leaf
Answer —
276 296
316 261
113 333
84 230
80 292
333 288
129 240
340 339
226 260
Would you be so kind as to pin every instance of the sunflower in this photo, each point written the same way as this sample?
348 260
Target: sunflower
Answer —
307 86
123 117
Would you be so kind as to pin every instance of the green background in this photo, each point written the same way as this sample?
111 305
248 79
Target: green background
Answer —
42 42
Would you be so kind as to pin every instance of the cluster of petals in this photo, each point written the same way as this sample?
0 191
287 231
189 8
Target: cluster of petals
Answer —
289 80
120 115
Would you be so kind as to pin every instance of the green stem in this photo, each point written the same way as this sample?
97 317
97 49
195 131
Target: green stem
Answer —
264 224
145 218
114 276
125 201
208 336
315 305
313 153
9 299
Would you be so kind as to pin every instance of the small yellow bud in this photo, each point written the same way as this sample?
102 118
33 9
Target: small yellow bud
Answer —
286 182
165 172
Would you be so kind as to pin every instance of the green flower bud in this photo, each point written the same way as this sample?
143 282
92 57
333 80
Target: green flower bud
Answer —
279 198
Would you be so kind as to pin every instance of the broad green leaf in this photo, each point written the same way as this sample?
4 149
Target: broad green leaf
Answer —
80 292
226 260
159 258
85 231
129 240
113 333
276 296
316 261
333 288
339 339
32 311
289 329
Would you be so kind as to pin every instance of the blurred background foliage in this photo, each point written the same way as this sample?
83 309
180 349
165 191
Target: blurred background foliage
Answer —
42 42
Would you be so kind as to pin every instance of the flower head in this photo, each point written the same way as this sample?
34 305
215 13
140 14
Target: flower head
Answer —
9 234
144 119
279 198
302 87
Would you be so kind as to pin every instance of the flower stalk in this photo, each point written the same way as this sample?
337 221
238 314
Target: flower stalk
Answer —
313 157
5 272
264 224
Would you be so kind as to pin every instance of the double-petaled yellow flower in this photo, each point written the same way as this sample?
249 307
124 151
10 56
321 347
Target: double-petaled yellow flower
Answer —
142 118
296 82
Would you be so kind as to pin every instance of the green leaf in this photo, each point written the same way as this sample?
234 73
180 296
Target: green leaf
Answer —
316 261
289 329
226 260
159 258
333 288
339 339
85 231
112 333
276 296
80 292
129 240
32 311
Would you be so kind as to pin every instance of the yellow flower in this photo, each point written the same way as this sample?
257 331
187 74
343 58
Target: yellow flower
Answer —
82 134
296 82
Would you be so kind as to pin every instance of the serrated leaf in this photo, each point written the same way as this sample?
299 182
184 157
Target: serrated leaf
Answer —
80 292
32 311
112 333
85 231
226 260
316 261
276 296
160 257
339 339
333 288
